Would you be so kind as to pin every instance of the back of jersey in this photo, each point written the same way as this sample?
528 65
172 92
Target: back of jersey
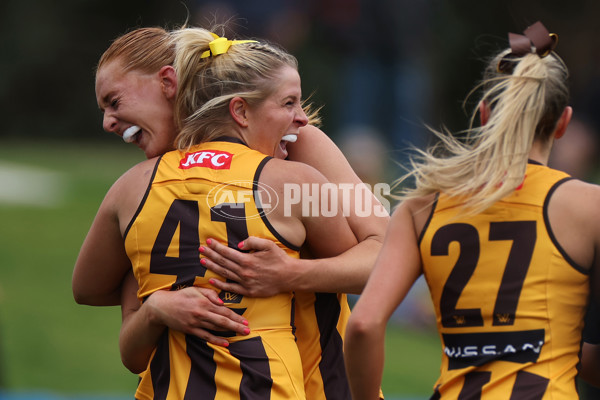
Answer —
509 302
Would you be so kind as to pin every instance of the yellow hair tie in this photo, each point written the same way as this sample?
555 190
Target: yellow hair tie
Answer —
220 45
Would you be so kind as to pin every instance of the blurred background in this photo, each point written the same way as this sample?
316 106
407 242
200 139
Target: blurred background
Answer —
381 69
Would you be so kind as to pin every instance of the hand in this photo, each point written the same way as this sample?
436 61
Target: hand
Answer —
195 310
263 272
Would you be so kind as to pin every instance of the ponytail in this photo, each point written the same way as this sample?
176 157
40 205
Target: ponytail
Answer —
490 162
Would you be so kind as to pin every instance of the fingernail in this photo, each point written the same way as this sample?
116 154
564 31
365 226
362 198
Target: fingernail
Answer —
245 322
240 245
246 331
211 281
203 261
208 241
226 344
201 249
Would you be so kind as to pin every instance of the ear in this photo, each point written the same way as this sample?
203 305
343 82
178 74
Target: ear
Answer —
168 81
238 108
563 122
484 112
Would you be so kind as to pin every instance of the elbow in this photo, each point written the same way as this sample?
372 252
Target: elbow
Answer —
97 301
80 294
81 298
134 367
134 358
362 329
85 299
134 363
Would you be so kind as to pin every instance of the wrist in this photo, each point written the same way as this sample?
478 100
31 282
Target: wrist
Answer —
152 310
300 274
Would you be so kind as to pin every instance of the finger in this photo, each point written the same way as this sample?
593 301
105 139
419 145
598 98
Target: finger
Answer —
228 319
210 338
225 252
215 325
222 324
223 268
255 243
211 295
223 313
229 287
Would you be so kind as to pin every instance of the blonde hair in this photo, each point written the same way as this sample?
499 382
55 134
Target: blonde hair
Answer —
525 102
143 49
206 85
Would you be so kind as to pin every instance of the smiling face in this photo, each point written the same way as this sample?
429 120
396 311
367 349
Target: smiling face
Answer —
133 99
279 116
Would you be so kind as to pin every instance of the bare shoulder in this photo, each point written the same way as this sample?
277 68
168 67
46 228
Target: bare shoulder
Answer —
285 171
137 176
127 192
316 149
309 137
575 221
419 208
577 198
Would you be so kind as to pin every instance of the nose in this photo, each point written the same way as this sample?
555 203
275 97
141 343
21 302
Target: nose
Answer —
109 123
301 117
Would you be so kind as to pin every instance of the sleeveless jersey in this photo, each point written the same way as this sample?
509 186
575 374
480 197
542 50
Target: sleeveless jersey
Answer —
509 301
212 191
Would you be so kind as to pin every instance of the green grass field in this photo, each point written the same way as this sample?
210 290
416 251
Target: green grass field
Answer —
48 343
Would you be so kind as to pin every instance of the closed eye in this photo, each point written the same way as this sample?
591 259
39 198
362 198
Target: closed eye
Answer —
292 102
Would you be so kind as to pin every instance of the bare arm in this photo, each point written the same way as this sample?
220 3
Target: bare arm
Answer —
370 217
590 364
268 271
139 333
396 269
590 352
192 310
102 261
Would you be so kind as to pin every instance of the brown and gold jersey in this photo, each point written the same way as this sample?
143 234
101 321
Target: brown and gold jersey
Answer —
509 301
212 191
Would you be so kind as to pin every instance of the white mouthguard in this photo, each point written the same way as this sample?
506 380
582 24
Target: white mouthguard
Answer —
128 135
290 138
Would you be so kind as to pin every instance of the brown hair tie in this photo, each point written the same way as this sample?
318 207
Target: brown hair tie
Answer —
535 37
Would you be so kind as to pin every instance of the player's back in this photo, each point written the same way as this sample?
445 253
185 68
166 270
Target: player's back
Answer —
509 302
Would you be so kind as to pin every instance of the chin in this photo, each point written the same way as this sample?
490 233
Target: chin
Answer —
150 153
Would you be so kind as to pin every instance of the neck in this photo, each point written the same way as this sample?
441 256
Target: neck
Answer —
540 152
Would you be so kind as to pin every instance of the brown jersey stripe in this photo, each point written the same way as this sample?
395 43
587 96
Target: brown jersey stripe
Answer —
201 382
335 382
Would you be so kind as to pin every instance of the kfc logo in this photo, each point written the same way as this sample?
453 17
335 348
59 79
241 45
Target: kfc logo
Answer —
214 159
